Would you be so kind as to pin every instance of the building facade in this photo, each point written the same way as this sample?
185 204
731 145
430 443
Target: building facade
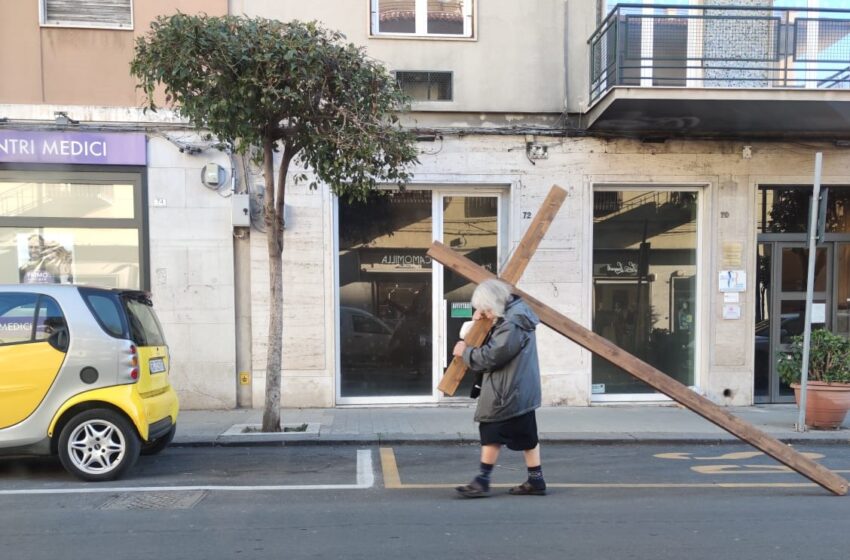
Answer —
684 135
111 195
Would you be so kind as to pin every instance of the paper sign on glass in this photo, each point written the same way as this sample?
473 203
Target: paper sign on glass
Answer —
818 313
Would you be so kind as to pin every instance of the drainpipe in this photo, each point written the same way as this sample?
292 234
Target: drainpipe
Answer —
242 302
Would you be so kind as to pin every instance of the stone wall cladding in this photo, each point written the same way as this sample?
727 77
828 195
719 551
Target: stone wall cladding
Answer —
191 254
560 274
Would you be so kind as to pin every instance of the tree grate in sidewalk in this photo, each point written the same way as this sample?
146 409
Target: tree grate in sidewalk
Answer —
155 500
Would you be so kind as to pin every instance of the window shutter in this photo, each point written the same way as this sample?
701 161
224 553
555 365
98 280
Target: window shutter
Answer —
96 13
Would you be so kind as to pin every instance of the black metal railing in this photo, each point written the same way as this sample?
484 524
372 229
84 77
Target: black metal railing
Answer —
720 46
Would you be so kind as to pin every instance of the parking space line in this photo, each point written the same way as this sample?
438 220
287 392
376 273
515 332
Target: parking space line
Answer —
392 481
365 480
636 485
389 468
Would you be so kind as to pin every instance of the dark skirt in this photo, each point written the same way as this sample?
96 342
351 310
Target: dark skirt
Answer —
518 433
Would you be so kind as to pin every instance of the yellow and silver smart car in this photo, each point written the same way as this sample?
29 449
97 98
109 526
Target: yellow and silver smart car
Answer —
83 375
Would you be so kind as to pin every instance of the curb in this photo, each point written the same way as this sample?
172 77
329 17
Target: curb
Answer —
273 440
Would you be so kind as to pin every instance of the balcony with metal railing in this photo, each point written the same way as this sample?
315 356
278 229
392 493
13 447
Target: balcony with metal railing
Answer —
721 70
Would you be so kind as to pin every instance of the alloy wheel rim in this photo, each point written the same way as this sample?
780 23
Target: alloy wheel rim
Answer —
96 446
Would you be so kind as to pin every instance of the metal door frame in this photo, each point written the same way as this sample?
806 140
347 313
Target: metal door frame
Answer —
703 195
777 296
502 191
438 314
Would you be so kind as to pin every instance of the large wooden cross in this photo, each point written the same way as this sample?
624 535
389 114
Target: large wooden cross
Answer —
617 356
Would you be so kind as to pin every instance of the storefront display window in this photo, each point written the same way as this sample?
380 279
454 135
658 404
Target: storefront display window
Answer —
644 284
71 228
66 200
102 257
385 287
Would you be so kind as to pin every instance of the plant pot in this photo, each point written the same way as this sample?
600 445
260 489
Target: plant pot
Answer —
826 403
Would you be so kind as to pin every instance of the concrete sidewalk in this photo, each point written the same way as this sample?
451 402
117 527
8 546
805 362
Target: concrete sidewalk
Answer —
454 424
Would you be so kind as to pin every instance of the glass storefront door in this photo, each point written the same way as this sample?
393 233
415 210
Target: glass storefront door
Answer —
470 226
645 285
782 303
399 312
783 214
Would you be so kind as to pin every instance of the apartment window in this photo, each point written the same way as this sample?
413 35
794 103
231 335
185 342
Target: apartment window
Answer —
426 86
108 14
427 18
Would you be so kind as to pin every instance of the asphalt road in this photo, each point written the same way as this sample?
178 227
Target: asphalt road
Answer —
631 501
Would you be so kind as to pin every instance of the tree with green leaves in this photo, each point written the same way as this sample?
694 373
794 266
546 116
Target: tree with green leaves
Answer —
293 88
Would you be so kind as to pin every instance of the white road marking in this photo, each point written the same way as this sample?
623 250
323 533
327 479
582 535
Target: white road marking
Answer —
365 472
365 480
728 456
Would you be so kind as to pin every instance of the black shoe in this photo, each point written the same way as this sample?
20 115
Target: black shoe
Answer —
473 490
527 489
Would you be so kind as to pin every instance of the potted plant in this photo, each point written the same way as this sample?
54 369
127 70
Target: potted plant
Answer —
828 382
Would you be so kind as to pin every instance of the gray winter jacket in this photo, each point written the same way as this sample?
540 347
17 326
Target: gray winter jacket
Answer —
511 386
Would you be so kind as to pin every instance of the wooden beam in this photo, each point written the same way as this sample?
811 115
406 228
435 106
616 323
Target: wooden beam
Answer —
510 274
653 377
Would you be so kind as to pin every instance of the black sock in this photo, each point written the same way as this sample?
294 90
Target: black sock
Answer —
484 477
535 477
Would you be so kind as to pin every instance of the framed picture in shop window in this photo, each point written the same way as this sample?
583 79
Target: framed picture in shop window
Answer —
45 258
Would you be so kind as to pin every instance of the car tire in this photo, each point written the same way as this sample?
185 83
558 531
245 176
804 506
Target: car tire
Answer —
159 444
98 445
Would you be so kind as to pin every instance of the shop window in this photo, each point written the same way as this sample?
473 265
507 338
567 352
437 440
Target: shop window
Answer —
69 232
644 284
56 200
45 255
385 284
426 86
427 18
783 209
838 210
366 325
109 14
605 203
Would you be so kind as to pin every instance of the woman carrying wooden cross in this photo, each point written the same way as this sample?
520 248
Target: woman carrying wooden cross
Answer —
510 387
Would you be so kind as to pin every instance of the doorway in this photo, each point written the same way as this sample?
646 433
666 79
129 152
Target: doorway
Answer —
781 276
781 306
399 313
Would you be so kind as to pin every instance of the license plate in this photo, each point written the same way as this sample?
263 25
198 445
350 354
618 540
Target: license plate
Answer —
157 365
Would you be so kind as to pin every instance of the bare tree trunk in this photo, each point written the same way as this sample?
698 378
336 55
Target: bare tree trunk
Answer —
274 235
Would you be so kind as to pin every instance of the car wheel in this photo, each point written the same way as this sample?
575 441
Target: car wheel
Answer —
98 445
159 444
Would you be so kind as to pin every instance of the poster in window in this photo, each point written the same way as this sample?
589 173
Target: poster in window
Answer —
45 258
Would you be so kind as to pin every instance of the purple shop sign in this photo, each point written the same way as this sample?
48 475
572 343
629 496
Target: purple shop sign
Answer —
88 148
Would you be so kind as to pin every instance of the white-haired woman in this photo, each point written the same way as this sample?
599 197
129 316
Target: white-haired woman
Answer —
510 386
